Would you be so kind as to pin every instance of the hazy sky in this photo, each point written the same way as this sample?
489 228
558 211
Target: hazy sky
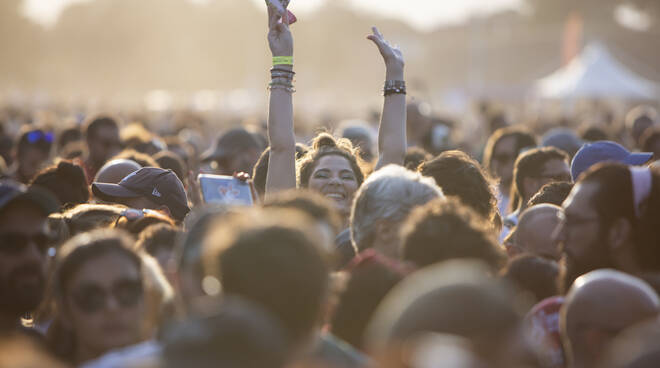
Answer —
419 13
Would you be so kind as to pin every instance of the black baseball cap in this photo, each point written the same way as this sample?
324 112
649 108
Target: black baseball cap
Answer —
11 191
159 185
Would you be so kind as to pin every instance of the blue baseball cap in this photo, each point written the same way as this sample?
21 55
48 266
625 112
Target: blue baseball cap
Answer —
605 151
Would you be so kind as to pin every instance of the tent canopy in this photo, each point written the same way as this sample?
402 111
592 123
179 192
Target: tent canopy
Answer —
595 74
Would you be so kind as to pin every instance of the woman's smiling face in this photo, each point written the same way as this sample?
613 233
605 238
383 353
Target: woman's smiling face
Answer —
333 177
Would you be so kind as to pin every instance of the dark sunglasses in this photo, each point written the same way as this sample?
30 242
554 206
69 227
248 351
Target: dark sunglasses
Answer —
91 298
38 135
15 243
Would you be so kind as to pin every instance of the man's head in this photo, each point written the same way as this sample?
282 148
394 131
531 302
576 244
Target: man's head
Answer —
535 229
383 202
102 137
235 151
32 151
444 229
149 187
24 241
502 149
599 306
600 227
266 257
551 193
638 120
115 170
605 151
536 168
458 298
563 139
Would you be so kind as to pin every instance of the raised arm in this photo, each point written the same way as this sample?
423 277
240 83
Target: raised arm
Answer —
281 163
392 143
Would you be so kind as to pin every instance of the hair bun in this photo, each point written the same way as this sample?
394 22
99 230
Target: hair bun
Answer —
324 140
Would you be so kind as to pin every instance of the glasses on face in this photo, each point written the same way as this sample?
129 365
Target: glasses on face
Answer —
570 221
38 135
13 243
91 298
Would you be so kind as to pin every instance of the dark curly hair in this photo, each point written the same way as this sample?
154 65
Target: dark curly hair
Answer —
66 181
461 176
325 144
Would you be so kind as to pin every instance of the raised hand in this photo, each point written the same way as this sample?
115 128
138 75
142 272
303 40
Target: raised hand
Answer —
280 39
392 55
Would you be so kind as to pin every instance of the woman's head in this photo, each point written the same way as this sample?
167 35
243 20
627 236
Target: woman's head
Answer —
333 168
99 285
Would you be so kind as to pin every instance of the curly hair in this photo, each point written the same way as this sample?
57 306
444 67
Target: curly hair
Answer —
325 144
66 181
461 176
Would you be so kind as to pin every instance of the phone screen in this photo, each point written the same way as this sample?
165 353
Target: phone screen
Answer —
226 190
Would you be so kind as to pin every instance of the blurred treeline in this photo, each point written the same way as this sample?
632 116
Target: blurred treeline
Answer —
119 49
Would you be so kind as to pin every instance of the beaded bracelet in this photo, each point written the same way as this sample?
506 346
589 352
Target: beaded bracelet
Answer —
394 87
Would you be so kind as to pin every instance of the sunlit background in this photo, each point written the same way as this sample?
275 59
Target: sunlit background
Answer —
212 54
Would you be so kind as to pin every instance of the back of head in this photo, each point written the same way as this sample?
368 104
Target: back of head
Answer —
639 119
534 233
533 275
445 229
551 193
66 181
457 174
115 170
599 305
457 298
562 139
87 217
142 159
172 161
371 277
95 123
264 257
388 195
239 334
360 135
414 157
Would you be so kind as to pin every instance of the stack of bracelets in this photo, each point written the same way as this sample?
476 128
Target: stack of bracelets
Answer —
393 87
281 78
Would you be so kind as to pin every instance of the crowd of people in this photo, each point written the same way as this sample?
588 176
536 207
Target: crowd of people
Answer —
362 249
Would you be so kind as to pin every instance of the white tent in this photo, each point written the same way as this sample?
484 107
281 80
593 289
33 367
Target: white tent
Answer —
595 74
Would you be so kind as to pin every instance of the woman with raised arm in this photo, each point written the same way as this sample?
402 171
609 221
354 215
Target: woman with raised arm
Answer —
332 166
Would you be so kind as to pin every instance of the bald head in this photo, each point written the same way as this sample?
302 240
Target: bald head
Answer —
115 170
535 228
598 306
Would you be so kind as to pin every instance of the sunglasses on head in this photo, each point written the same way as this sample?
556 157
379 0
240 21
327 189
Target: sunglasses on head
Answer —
91 298
12 243
38 135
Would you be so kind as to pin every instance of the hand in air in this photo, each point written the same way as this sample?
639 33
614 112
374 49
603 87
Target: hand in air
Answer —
392 55
280 39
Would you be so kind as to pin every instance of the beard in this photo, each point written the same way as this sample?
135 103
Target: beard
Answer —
18 296
596 257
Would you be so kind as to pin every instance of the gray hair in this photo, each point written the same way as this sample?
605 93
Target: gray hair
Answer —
388 194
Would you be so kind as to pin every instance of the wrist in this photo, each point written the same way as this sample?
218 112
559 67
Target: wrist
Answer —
394 73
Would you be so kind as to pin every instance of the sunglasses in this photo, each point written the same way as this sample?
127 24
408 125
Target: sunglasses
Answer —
38 135
91 298
15 243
